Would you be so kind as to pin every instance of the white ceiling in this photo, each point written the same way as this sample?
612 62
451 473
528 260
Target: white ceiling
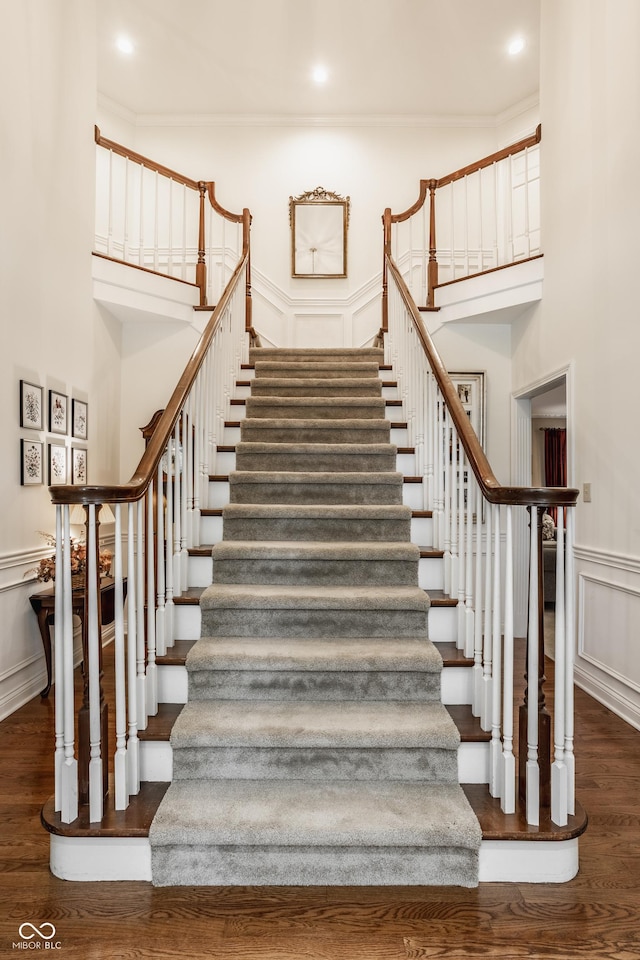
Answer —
386 58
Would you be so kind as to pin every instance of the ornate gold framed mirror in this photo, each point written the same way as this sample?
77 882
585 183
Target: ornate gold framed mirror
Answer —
319 220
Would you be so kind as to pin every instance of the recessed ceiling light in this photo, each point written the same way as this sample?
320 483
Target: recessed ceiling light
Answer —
125 45
516 46
320 74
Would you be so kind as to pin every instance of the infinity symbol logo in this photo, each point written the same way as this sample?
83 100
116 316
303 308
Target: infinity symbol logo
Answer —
37 931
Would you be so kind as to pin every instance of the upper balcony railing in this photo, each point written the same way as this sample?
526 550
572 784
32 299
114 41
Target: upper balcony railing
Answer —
152 217
480 217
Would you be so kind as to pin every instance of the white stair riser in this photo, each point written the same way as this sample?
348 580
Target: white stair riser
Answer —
218 494
172 684
225 462
431 573
242 392
210 529
412 496
187 621
399 436
406 464
390 393
443 624
457 685
200 571
231 434
421 530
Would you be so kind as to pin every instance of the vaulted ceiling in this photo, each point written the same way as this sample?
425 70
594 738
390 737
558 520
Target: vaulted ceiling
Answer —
443 59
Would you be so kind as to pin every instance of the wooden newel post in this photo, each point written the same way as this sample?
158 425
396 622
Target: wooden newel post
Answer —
544 718
201 266
432 268
84 726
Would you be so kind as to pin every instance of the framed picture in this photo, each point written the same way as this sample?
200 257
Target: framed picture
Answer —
79 465
319 221
79 411
58 404
470 387
31 400
57 464
31 462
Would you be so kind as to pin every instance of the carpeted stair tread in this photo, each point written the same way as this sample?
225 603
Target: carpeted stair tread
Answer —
313 518
311 370
298 813
319 408
290 430
317 354
304 724
304 550
270 597
315 562
323 457
323 386
335 654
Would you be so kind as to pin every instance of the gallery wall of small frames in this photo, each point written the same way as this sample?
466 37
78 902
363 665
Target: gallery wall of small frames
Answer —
49 458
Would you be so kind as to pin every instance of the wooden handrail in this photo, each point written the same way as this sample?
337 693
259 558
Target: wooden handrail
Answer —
492 490
509 151
144 161
146 470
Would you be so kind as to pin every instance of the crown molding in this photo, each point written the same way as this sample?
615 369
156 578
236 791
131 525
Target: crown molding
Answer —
396 120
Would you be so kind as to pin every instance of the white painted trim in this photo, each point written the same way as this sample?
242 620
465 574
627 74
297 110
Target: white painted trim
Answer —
589 658
100 858
528 861
630 563
126 858
613 699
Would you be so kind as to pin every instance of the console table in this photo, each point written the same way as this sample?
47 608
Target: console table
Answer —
43 605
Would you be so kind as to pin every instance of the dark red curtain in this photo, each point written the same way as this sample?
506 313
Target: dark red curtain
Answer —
555 461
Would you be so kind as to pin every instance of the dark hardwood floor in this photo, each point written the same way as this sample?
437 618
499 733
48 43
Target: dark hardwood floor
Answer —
595 916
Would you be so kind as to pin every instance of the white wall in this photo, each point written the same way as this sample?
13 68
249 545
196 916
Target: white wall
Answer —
590 97
52 333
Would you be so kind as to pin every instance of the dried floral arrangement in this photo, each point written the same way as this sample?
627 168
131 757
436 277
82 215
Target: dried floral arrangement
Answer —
46 569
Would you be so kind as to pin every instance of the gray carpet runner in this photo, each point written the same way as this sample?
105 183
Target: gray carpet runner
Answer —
314 749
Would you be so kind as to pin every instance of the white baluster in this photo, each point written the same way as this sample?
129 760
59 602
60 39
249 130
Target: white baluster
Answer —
532 767
197 460
133 744
468 576
487 654
478 681
161 642
168 536
120 759
152 671
508 803
569 757
177 526
93 649
446 512
141 696
495 764
69 776
559 790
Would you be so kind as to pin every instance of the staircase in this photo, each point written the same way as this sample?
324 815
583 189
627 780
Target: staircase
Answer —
314 747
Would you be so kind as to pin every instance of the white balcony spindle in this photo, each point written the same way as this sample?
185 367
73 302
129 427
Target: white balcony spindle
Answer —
177 513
